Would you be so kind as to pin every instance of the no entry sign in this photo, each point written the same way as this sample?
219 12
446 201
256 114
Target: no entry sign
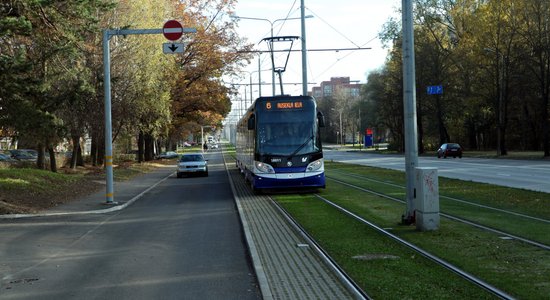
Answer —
172 30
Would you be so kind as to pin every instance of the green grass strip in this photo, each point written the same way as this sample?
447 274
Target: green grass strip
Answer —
512 266
34 180
524 202
384 269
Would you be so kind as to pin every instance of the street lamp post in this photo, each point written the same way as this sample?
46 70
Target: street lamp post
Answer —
250 84
271 23
341 131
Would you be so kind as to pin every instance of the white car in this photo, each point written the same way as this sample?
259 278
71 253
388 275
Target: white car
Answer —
192 163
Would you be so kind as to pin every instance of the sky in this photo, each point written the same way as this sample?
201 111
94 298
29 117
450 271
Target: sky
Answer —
333 25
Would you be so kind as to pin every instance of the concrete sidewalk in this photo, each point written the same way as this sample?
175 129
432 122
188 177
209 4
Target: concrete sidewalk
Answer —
286 264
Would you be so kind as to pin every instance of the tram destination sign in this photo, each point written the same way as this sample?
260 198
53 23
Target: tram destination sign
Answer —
284 105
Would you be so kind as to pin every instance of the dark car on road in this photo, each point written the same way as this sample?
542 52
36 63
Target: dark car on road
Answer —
6 158
168 155
22 155
449 149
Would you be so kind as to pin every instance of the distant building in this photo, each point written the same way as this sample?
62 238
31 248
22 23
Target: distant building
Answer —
328 88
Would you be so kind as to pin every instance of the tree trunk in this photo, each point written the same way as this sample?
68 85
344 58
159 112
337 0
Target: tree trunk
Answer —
40 160
502 123
79 157
100 150
141 146
93 150
420 131
158 144
502 140
76 146
443 134
545 126
149 147
53 162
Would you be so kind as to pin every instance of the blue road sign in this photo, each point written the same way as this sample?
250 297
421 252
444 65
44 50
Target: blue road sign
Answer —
435 90
368 140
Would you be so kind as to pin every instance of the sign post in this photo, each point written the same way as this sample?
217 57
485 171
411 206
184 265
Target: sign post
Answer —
170 31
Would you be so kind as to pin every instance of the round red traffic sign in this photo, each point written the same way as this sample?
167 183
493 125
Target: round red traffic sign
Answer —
172 30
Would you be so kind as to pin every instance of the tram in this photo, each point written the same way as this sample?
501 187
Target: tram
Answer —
278 144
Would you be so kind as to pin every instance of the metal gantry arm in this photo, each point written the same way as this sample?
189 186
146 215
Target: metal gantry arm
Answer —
107 34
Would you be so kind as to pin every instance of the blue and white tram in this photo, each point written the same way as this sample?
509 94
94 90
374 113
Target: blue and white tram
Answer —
278 143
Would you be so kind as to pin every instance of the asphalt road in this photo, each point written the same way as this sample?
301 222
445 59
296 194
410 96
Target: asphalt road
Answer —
524 174
181 240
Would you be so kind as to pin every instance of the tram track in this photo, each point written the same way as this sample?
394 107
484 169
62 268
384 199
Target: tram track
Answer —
451 217
276 278
437 260
451 198
327 259
481 283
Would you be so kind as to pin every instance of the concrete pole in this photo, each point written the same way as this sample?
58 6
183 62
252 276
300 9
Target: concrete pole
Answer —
202 139
272 63
409 105
304 50
244 97
341 130
259 77
108 131
251 99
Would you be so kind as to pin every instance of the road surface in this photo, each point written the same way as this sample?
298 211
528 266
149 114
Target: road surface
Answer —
181 240
524 174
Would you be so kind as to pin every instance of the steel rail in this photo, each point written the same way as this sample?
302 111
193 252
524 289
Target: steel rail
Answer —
453 199
339 272
501 294
448 216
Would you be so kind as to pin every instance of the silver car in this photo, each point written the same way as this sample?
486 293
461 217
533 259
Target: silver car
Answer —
192 163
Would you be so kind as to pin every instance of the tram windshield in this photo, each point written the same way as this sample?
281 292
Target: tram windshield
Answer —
287 134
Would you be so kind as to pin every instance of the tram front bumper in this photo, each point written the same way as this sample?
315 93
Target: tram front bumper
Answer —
289 180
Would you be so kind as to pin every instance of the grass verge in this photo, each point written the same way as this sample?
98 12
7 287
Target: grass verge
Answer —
510 265
385 270
30 190
462 199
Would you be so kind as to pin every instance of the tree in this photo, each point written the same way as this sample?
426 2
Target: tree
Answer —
199 94
43 38
492 59
535 35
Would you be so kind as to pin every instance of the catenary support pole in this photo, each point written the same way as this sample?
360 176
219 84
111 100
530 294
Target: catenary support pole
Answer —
409 106
304 50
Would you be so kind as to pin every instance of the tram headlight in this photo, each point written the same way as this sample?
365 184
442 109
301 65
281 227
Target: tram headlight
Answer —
315 165
263 167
